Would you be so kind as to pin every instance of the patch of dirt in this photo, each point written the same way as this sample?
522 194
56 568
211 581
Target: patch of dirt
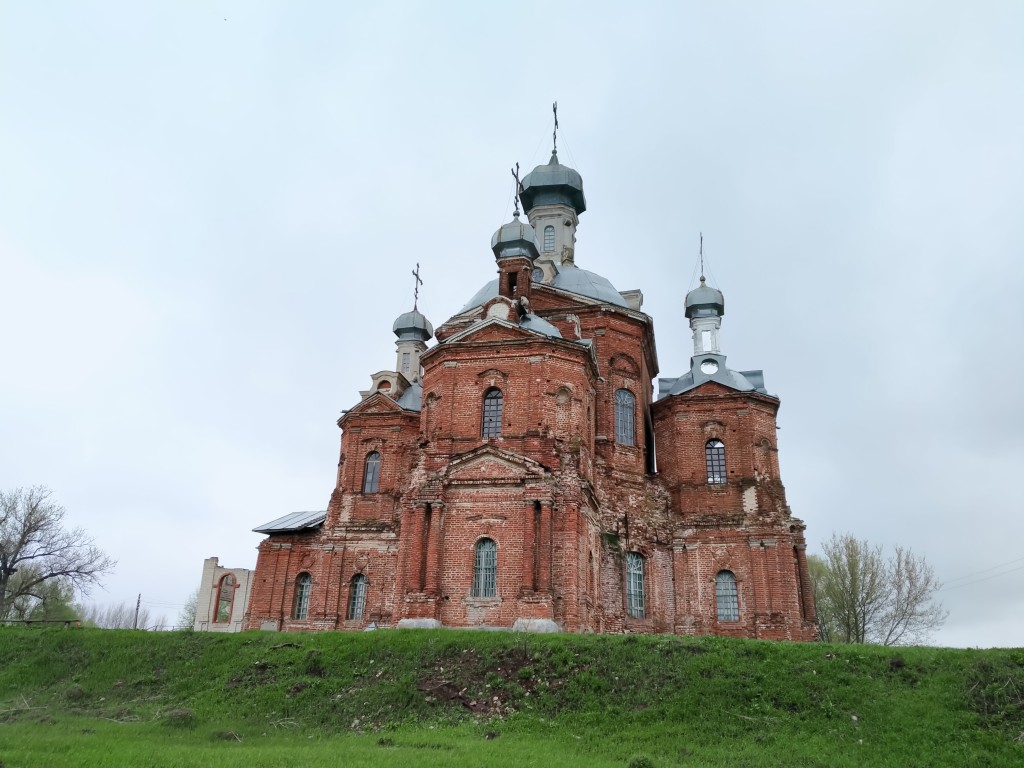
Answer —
260 673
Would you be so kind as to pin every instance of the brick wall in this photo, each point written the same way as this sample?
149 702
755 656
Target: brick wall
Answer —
562 498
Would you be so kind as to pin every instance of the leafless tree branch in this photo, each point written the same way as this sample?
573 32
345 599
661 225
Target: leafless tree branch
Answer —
36 548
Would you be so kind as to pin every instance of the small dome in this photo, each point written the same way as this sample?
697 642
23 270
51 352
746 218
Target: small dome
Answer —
553 184
516 238
413 325
704 300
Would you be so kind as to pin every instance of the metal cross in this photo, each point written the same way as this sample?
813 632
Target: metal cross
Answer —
519 186
416 286
554 133
701 257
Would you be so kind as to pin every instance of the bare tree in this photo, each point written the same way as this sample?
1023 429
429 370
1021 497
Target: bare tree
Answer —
36 549
864 597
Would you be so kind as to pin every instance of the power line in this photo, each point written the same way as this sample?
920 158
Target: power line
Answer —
986 570
983 579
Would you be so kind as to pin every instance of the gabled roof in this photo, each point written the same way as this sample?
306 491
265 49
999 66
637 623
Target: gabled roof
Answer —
533 325
490 464
296 521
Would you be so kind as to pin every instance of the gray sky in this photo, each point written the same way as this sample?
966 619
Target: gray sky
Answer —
209 212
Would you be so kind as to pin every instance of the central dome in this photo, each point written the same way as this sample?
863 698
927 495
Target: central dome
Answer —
553 184
572 279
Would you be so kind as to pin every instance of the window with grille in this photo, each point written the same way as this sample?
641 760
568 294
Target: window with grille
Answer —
549 238
371 473
635 585
406 360
303 585
485 569
493 404
625 415
714 453
726 596
356 597
225 596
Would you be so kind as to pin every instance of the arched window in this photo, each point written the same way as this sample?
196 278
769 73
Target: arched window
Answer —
225 597
549 238
625 415
371 473
493 403
303 585
356 597
485 569
635 585
726 596
714 453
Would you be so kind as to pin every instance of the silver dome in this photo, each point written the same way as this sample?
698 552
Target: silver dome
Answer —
516 238
553 184
413 325
705 300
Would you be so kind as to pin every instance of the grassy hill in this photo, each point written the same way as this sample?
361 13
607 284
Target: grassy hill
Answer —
447 698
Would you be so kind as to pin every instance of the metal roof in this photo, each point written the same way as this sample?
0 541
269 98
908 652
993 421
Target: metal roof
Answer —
540 325
575 280
413 325
296 521
742 381
516 238
553 184
411 399
704 298
489 291
569 278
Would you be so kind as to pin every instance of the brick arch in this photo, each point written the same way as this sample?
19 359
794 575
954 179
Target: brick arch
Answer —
625 364
493 374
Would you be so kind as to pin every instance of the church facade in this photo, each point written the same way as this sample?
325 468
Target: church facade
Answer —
521 473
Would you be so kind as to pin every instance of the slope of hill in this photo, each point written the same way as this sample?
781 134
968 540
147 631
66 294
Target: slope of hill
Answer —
106 698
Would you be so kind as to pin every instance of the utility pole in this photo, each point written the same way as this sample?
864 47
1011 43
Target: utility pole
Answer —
138 603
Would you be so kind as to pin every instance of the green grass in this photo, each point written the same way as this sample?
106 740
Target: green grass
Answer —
417 698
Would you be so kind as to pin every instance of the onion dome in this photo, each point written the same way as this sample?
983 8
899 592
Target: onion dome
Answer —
413 326
704 301
516 238
553 184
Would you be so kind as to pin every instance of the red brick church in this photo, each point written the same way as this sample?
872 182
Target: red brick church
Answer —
520 472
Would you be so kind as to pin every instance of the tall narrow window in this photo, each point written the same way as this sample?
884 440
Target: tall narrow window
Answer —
726 597
406 361
356 597
493 404
303 585
714 453
485 569
549 238
371 473
225 596
625 415
635 585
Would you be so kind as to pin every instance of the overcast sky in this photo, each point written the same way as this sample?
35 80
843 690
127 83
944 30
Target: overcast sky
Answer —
209 212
